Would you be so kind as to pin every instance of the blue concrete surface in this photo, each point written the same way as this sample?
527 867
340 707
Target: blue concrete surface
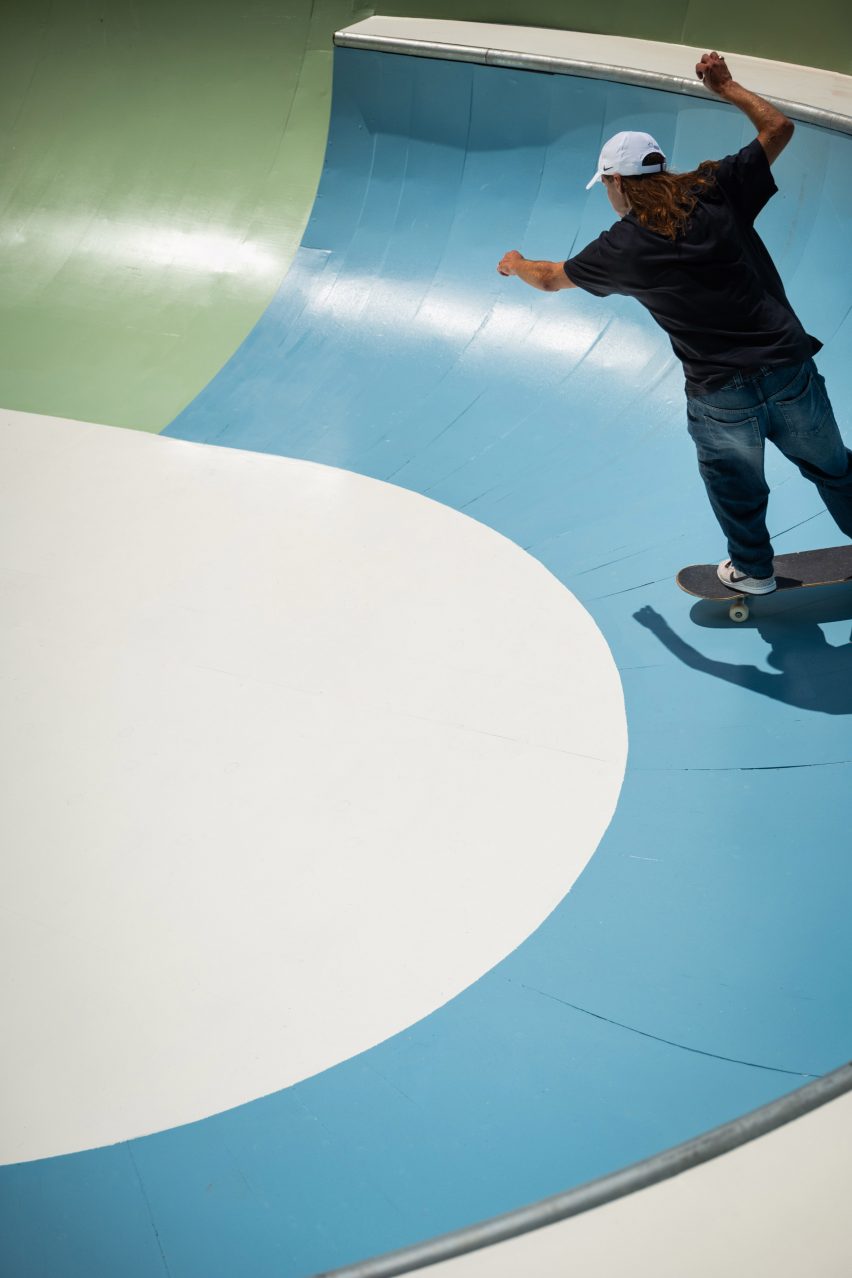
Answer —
701 965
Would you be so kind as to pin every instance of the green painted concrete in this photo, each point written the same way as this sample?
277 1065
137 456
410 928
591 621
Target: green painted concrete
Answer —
159 162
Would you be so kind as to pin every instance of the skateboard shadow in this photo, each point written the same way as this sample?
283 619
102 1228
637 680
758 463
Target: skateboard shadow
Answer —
808 671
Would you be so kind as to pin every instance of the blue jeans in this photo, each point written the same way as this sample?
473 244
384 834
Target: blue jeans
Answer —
730 427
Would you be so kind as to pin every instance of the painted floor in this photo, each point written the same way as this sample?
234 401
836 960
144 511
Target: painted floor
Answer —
699 966
236 715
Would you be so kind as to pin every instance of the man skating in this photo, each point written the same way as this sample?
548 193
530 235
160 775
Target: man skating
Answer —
686 248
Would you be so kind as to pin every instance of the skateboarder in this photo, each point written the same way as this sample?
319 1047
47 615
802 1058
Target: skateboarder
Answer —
686 248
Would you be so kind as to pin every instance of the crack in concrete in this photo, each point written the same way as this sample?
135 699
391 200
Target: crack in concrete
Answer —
697 1051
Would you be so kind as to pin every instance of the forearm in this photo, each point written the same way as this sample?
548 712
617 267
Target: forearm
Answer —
774 130
765 117
548 277
538 275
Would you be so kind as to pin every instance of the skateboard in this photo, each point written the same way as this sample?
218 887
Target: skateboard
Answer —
829 567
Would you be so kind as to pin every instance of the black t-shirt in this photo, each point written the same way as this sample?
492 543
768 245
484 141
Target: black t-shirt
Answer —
714 289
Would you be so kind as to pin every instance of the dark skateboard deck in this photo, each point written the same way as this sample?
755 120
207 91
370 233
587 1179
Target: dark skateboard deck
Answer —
829 567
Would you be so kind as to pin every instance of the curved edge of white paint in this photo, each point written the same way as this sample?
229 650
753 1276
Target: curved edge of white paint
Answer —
49 463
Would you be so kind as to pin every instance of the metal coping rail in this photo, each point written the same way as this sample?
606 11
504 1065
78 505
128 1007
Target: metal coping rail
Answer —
607 1189
571 66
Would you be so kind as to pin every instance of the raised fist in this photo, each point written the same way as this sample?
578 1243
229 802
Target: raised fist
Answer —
713 71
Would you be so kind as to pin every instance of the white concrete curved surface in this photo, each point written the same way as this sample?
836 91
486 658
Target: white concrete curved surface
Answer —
290 757
817 92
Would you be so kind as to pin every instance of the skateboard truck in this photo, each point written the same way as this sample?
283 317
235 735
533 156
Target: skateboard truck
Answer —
739 610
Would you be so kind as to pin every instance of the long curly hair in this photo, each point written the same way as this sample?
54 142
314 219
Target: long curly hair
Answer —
664 202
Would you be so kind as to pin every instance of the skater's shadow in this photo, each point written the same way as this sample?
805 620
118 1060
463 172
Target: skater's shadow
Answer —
807 670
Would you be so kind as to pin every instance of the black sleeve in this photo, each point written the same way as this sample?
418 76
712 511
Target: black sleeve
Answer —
595 269
747 179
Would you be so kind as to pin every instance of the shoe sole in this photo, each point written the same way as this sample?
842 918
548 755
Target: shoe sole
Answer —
741 589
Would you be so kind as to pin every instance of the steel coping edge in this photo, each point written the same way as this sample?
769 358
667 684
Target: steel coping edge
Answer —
607 1189
571 66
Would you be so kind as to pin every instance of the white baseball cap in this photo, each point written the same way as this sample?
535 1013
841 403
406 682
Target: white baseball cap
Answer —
624 154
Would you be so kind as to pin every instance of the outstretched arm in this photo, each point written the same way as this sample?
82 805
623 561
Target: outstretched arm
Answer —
744 676
774 129
547 276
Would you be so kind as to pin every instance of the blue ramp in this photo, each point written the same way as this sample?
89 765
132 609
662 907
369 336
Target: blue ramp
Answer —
701 965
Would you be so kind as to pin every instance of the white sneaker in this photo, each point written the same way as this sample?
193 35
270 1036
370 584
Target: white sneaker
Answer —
741 582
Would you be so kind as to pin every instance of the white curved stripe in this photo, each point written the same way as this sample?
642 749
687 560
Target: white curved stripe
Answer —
290 757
